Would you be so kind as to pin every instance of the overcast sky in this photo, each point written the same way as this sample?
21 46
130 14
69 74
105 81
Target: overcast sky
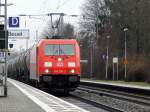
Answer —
44 6
30 7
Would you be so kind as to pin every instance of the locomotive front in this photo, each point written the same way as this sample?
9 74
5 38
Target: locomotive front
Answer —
59 63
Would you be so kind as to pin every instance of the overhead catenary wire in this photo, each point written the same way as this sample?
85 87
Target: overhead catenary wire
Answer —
61 5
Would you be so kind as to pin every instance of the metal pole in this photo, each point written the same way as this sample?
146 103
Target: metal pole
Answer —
92 43
106 76
96 21
117 71
125 57
125 61
91 60
0 7
107 64
113 71
61 25
6 46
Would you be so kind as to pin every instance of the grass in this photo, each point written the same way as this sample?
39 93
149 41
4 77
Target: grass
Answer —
143 84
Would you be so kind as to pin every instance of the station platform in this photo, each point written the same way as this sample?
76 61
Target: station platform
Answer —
118 84
24 98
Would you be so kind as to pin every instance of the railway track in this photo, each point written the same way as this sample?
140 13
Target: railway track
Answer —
98 105
136 100
142 100
84 104
83 97
88 97
69 98
80 102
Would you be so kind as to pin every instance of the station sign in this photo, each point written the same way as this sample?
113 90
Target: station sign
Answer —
115 59
84 61
18 34
14 22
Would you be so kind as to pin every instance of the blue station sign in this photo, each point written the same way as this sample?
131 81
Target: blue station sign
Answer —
14 22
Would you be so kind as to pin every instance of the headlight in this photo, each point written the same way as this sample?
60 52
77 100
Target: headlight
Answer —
48 64
72 71
71 64
46 71
59 59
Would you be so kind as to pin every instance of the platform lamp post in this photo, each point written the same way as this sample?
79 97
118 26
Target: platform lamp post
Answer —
6 43
125 52
106 76
91 67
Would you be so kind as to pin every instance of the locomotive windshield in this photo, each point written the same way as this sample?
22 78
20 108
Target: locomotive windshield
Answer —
59 49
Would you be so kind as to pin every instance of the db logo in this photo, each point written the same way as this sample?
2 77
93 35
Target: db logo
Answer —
60 64
14 21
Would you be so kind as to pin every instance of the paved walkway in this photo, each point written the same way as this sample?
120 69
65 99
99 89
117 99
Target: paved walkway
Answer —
16 101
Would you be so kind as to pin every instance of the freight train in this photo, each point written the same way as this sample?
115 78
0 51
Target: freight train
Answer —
54 63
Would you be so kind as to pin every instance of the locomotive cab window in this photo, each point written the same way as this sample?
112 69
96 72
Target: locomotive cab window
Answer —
59 49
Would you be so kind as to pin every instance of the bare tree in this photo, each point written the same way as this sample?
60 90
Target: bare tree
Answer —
111 17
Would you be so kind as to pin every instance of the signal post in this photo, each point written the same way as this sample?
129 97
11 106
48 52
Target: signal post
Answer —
3 50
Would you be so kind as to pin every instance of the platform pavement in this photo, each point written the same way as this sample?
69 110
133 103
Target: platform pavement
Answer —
117 84
24 98
16 101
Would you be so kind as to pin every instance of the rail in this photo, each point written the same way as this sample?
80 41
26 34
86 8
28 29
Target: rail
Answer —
99 105
135 95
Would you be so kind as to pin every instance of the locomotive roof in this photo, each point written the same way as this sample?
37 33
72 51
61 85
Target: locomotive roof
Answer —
57 41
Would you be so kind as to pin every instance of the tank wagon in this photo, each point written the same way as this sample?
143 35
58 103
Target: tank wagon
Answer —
52 62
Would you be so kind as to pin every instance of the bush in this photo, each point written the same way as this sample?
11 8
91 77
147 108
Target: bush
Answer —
138 68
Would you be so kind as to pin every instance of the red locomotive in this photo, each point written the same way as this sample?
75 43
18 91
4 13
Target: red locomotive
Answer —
52 62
